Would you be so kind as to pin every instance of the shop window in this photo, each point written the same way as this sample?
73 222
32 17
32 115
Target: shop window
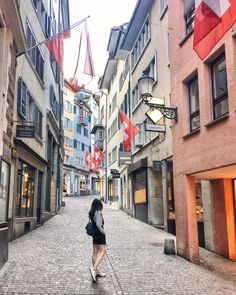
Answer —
82 185
219 87
170 190
25 190
194 104
4 190
199 204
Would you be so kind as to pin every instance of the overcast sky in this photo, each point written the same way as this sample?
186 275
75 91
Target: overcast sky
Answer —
104 14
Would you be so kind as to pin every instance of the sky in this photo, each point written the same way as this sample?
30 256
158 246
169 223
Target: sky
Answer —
104 14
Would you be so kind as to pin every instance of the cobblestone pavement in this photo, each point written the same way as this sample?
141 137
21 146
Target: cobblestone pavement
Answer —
54 259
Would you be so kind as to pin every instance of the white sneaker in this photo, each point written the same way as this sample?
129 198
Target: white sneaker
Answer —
93 273
100 274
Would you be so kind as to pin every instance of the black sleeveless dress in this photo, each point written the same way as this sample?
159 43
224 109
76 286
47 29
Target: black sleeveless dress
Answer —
98 237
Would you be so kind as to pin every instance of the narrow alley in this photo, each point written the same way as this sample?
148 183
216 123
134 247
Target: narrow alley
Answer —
55 259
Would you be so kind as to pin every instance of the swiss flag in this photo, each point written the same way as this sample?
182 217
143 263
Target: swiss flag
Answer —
98 154
88 159
129 131
56 47
91 163
213 18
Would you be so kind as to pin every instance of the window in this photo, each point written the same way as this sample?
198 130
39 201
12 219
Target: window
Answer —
44 19
25 190
102 112
112 130
85 132
125 104
194 104
163 5
54 103
34 53
141 43
76 144
68 106
100 135
135 97
189 13
4 190
78 128
68 141
114 154
152 68
28 109
67 124
219 87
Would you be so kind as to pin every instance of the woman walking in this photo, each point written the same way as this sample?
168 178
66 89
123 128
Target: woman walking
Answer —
99 238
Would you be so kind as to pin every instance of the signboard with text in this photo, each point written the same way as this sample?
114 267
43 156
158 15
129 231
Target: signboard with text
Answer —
155 128
25 131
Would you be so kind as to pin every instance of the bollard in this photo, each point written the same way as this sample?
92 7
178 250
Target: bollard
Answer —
169 246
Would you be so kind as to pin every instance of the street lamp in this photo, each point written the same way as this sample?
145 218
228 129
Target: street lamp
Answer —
96 96
145 84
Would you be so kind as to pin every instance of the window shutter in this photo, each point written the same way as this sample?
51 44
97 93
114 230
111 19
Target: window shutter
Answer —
22 98
222 80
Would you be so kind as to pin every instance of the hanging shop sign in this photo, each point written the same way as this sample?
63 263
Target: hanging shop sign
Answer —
124 158
25 131
155 128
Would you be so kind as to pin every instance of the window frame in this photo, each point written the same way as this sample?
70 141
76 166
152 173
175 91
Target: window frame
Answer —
193 115
221 98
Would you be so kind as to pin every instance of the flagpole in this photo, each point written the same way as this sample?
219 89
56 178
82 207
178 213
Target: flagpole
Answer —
53 36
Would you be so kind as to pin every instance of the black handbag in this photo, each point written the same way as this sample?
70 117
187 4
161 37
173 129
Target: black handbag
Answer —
89 229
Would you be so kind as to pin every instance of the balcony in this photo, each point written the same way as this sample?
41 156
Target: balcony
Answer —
83 120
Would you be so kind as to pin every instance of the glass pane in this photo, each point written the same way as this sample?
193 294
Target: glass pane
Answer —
195 123
194 96
219 78
4 189
221 108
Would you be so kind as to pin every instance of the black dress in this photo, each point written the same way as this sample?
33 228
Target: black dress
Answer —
98 237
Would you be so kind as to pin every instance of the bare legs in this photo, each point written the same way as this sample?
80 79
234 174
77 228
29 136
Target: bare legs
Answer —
98 253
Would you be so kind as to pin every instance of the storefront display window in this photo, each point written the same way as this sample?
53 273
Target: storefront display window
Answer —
83 185
170 190
199 205
140 187
25 190
4 190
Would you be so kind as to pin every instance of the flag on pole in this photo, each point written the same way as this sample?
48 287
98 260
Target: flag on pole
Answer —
56 47
129 131
91 163
213 18
88 66
98 154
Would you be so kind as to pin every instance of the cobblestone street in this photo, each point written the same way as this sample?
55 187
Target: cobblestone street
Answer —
54 259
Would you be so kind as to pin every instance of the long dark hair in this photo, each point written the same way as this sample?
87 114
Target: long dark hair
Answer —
96 206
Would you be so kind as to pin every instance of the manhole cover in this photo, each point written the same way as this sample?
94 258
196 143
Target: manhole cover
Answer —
67 261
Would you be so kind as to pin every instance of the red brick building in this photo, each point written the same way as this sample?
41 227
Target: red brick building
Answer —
204 139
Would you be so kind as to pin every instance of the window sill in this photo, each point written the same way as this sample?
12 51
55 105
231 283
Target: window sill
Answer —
212 123
181 43
191 133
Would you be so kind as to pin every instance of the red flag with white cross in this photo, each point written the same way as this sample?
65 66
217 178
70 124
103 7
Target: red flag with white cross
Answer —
129 131
98 154
213 18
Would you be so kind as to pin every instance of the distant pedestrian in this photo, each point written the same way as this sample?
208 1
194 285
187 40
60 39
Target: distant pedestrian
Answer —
99 238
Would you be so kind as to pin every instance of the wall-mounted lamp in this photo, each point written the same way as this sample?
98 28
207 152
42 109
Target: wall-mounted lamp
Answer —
145 84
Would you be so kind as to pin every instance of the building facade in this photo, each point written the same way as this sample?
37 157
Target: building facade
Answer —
77 177
36 161
12 40
203 139
113 81
150 173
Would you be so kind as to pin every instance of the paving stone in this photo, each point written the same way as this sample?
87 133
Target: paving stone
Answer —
54 259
